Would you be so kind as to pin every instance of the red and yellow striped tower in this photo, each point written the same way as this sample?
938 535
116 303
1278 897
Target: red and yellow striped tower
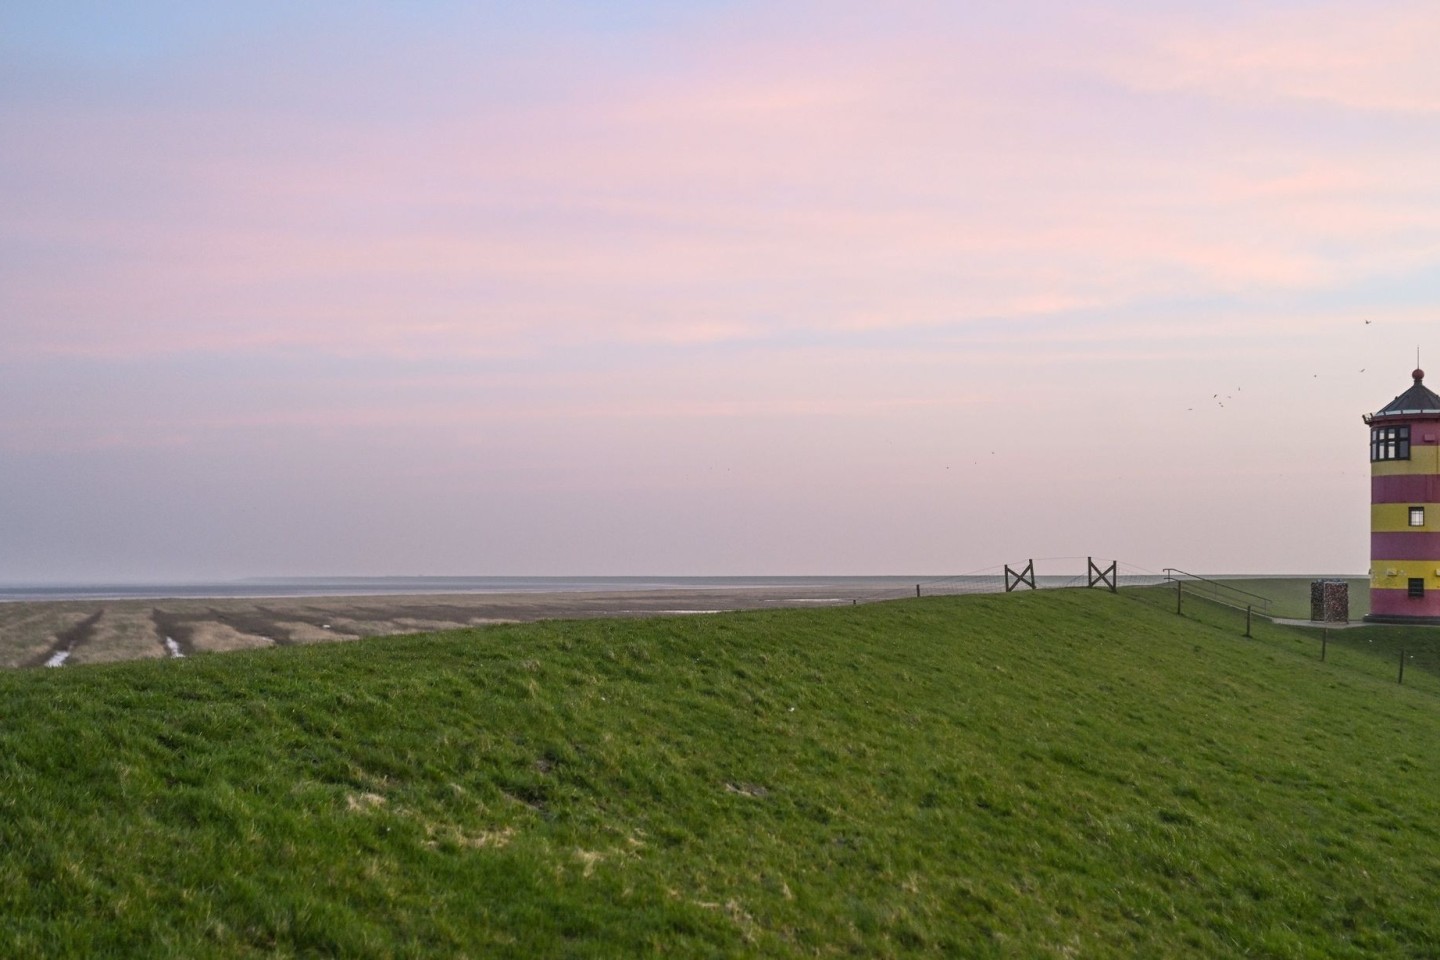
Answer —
1405 508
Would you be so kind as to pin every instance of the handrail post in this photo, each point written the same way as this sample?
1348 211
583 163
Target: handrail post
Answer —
1179 596
1247 620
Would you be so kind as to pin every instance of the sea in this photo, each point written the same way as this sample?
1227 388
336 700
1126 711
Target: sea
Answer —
383 586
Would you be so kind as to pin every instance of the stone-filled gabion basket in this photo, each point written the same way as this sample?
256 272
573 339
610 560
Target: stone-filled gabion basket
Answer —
1330 601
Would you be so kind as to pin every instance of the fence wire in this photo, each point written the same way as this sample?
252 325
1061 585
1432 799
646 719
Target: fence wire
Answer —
1404 654
994 579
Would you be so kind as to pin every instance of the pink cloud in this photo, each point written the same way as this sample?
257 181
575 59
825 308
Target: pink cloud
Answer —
1360 56
744 182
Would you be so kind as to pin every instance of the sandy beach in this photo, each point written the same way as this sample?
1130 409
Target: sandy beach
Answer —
72 632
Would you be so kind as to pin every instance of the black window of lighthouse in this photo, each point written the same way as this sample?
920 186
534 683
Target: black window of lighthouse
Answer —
1389 443
1417 516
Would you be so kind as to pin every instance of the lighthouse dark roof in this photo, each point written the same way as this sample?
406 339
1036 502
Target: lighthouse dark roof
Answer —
1419 399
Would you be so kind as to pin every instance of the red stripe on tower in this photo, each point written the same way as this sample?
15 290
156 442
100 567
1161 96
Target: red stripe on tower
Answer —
1398 606
1412 488
1404 545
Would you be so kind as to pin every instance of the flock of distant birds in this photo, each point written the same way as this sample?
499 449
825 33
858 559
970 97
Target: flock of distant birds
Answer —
1218 401
1221 402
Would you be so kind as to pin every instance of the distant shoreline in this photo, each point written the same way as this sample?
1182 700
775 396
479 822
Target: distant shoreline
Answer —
262 588
275 587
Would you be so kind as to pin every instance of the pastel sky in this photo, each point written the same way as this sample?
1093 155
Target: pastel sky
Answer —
708 287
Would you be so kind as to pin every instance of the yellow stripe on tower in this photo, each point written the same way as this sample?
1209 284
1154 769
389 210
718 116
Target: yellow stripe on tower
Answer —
1396 574
1395 518
1423 459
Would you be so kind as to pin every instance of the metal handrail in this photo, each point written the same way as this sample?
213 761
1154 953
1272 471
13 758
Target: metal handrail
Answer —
1217 586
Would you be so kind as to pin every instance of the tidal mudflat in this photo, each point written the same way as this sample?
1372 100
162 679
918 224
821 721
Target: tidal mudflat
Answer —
73 632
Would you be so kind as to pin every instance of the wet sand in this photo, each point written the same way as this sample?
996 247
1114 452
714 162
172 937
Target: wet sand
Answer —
72 632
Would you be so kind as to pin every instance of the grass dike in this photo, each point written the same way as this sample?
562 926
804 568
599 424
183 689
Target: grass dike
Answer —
1067 773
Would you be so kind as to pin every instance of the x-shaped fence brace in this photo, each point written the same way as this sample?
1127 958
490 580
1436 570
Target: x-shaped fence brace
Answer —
1014 579
1095 575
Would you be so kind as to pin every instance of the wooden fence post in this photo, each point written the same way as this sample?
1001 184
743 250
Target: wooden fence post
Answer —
1094 574
1026 577
1324 642
1402 668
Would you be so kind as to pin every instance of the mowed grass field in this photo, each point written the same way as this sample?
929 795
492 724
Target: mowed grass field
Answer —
1055 774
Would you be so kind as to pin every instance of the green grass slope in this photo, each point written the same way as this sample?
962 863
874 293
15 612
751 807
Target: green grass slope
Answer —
1059 774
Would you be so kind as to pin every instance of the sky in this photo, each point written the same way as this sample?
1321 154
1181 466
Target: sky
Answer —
706 288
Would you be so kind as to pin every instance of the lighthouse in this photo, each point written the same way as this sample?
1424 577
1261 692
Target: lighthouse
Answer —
1405 507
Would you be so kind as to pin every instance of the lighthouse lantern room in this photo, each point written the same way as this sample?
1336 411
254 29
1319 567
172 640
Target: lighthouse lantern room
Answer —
1405 507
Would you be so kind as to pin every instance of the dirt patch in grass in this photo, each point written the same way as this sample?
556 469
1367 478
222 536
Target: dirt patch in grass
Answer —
363 801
